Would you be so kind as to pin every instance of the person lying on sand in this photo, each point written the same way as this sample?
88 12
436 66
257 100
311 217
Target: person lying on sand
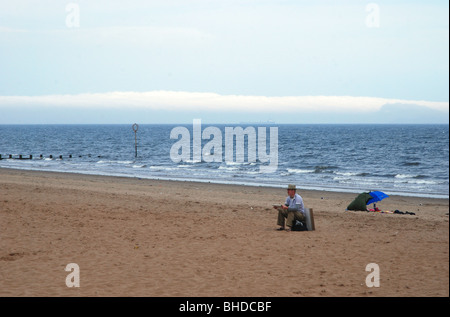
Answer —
292 210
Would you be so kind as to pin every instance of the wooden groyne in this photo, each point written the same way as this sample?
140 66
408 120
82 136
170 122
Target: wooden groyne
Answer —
41 156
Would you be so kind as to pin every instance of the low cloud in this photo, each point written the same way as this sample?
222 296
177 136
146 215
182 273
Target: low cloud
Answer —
212 102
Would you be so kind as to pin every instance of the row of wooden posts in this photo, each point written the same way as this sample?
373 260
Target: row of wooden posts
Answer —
30 157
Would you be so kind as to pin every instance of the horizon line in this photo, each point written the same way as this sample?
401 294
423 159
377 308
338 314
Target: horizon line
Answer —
212 123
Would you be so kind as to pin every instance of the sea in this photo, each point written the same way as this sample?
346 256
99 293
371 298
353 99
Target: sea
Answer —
410 160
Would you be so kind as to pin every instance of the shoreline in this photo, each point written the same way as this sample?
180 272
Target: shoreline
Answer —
413 200
258 185
157 238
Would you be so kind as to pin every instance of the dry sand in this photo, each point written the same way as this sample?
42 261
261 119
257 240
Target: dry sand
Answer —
137 237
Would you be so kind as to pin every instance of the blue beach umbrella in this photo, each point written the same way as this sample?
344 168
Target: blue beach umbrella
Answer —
376 196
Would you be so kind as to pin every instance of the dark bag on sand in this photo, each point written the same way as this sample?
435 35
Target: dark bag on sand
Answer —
299 226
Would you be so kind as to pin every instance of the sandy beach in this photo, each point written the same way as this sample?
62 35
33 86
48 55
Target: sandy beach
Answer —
140 237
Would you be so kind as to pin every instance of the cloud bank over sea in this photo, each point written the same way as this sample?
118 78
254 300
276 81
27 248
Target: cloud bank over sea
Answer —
215 108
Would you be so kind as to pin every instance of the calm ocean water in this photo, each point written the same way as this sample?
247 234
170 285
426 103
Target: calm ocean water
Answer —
397 159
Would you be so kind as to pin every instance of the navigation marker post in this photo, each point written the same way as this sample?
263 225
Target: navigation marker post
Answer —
135 129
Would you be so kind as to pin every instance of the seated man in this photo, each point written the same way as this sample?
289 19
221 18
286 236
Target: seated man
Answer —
292 210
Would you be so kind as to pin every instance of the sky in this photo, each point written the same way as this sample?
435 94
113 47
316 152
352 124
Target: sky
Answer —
224 61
